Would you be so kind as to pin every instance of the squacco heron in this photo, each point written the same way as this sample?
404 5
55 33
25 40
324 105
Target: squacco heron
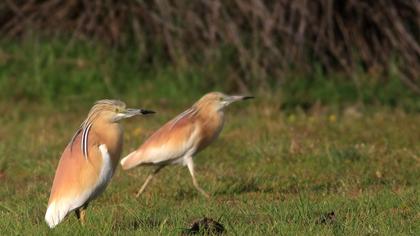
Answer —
89 160
180 139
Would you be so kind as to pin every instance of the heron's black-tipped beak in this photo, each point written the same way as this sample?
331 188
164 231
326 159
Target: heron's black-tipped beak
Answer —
145 112
236 98
130 112
247 97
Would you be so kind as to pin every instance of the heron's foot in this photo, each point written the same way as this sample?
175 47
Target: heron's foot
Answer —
81 215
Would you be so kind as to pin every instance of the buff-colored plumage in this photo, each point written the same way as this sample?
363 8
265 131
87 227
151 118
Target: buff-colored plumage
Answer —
181 138
89 160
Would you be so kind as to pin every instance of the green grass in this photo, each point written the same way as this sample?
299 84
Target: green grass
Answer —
314 145
269 173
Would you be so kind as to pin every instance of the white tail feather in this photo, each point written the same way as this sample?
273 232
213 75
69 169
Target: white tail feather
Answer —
55 214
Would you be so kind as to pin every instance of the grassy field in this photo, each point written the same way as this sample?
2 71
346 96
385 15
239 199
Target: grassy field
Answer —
283 162
269 173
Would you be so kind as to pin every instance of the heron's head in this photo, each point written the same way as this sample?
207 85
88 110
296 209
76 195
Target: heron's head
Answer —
218 101
114 110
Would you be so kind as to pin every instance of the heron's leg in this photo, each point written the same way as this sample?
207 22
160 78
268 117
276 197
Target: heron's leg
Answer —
77 211
150 177
81 214
190 165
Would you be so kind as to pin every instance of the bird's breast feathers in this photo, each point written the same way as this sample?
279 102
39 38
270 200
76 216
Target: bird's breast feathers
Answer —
209 131
106 172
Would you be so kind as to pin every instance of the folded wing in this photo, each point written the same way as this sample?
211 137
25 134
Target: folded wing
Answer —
75 180
168 144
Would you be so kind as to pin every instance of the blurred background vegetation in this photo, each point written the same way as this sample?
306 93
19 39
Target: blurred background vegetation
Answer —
303 53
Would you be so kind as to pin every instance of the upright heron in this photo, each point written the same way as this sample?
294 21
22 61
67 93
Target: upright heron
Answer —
89 160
